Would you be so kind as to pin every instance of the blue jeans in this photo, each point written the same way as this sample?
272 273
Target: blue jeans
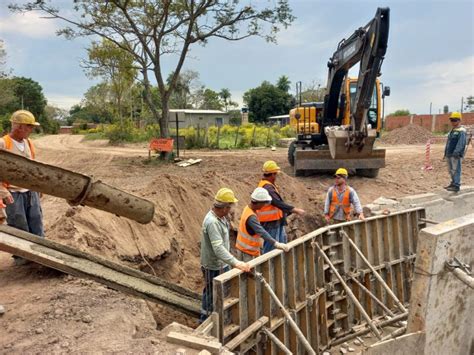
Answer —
207 305
278 233
25 213
454 166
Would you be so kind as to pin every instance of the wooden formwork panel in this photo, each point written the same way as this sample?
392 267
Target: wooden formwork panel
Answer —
309 289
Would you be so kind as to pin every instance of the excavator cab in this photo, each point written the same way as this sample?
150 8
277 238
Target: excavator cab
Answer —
343 131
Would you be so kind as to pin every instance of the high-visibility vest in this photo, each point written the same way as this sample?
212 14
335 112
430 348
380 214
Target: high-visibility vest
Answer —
269 212
246 243
345 204
9 146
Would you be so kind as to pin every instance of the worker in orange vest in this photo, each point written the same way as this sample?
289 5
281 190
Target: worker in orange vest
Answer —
23 207
339 199
273 216
251 233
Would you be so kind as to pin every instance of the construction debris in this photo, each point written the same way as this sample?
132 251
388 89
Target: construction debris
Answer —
410 134
188 162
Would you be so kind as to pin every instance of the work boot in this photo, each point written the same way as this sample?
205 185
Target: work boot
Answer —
449 186
453 188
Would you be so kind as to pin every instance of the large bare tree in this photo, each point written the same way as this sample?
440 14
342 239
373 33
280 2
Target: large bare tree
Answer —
151 30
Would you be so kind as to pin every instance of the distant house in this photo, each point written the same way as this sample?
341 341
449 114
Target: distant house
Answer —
65 130
281 120
195 118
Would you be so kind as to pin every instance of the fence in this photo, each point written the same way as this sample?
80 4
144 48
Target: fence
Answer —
311 290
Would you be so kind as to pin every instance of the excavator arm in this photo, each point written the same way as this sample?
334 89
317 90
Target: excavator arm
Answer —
366 45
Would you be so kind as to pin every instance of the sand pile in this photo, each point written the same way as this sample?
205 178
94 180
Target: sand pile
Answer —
411 134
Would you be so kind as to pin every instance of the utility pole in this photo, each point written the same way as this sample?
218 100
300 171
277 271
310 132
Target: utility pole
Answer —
431 105
22 107
462 103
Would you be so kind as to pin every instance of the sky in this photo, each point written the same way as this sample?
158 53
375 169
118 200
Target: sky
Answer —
429 60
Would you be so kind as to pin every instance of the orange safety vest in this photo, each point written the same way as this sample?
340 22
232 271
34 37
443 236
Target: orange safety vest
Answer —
246 243
9 146
269 212
345 204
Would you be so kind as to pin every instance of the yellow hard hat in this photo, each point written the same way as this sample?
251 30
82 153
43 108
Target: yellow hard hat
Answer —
342 171
23 117
225 195
455 116
270 167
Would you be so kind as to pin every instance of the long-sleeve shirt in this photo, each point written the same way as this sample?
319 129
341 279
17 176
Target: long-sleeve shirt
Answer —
254 227
456 143
215 243
277 201
339 213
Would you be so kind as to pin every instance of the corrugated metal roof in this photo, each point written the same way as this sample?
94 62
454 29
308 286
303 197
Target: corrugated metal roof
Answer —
200 111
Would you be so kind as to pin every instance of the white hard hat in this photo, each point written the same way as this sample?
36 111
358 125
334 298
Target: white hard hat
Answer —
261 195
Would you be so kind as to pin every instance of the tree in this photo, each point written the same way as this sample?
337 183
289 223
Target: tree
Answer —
283 83
27 94
151 30
400 113
185 84
267 100
312 92
110 62
469 104
207 99
225 95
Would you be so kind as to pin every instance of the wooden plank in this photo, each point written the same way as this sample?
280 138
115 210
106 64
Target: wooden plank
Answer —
107 275
247 333
194 342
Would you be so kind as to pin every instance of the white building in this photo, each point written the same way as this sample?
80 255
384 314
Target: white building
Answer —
195 118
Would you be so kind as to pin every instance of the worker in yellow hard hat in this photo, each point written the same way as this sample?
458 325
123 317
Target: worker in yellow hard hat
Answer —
23 208
340 198
215 245
455 150
273 216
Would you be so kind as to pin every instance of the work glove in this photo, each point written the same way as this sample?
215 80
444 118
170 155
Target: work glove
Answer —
282 246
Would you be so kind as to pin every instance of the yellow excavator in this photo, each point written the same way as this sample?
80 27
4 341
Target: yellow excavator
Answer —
341 131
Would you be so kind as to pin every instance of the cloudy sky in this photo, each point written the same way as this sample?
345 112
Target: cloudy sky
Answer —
430 58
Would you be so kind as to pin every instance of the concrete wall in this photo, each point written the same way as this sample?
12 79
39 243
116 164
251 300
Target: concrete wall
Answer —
202 120
440 304
434 123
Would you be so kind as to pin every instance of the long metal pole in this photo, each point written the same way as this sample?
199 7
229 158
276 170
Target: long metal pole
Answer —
287 315
349 292
371 295
277 341
376 274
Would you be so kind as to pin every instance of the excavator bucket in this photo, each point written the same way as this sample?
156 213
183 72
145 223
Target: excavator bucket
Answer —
338 144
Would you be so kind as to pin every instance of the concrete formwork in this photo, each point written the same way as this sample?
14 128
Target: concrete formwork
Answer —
442 305
309 290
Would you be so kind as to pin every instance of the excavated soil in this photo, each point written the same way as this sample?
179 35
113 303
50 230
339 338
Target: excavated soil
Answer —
79 316
411 134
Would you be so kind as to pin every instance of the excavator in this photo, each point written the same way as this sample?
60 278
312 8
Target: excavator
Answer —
341 131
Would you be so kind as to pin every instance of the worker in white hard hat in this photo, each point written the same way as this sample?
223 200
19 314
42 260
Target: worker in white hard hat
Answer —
340 198
273 216
23 208
251 233
454 151
215 245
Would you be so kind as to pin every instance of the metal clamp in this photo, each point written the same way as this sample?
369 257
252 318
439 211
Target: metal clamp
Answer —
455 263
82 196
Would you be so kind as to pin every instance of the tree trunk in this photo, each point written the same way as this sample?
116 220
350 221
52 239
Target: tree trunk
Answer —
164 119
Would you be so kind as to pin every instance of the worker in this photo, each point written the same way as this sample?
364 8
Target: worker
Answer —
339 199
23 207
215 245
251 232
273 216
454 151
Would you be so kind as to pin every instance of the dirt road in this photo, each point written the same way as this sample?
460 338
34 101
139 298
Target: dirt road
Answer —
50 312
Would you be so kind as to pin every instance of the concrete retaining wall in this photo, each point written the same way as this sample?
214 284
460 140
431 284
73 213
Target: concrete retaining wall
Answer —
433 123
440 304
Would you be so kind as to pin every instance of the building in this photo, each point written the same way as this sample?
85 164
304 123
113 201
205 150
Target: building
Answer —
195 118
281 120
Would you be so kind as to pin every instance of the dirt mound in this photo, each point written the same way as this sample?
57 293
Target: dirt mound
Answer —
411 134
169 245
